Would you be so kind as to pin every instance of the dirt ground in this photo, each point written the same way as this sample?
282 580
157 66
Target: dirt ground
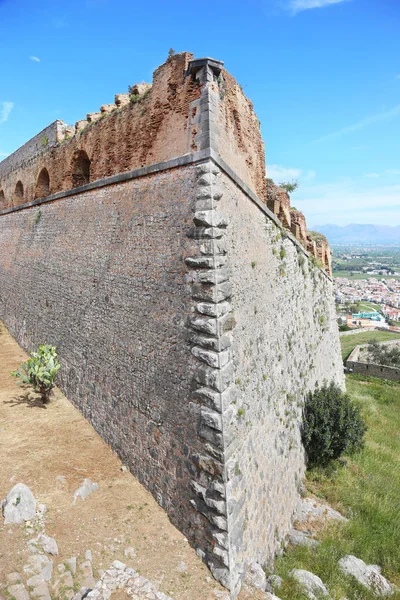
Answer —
52 449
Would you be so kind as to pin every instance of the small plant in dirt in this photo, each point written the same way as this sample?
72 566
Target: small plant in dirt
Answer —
332 425
40 371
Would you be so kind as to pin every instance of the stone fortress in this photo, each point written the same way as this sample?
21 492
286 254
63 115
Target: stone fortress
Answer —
191 309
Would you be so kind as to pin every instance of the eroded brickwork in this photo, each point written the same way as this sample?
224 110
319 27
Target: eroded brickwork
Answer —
141 130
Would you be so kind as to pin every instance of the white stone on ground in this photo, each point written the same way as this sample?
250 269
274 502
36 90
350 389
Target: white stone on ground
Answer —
310 583
18 591
47 543
255 576
130 552
273 582
87 487
368 575
19 504
182 567
119 576
299 538
71 562
309 509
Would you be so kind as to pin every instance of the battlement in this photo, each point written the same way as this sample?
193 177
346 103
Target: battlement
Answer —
153 123
278 201
150 124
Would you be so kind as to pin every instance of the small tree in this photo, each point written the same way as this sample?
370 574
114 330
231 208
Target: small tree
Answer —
332 425
40 371
289 186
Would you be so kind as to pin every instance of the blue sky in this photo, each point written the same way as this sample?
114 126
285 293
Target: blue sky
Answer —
324 77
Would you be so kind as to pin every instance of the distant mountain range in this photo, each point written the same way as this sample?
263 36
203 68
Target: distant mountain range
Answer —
360 234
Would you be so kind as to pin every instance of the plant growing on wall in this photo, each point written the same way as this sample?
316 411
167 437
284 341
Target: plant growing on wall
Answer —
332 425
289 186
40 371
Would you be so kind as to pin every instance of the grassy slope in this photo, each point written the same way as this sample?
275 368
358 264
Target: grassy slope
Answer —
367 490
348 342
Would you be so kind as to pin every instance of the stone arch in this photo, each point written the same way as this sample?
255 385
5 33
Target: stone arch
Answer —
18 193
80 168
2 200
43 184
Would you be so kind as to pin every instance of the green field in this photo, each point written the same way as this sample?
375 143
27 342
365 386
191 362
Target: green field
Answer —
365 488
369 306
362 275
348 342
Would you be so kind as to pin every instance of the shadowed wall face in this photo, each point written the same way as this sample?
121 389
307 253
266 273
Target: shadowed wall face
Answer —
101 276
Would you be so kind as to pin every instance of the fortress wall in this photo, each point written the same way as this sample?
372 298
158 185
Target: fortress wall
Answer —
241 144
37 145
154 128
285 341
101 275
189 320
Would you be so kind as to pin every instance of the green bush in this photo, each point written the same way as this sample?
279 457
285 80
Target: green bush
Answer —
40 371
332 425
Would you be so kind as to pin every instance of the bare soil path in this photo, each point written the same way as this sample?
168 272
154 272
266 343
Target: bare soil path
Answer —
52 449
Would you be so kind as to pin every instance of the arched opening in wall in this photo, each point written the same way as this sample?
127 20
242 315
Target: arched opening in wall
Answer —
2 200
43 184
18 194
80 169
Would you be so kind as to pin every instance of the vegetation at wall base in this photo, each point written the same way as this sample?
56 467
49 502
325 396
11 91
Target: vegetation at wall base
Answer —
332 425
365 488
40 371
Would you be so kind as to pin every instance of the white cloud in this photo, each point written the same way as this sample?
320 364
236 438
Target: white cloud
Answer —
349 201
386 173
382 116
5 109
34 58
279 173
296 6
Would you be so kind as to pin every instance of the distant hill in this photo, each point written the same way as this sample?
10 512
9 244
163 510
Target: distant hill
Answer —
360 234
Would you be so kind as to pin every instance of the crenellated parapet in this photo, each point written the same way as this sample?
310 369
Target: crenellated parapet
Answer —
278 201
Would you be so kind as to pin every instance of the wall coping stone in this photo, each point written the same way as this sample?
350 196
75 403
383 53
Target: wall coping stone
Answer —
186 159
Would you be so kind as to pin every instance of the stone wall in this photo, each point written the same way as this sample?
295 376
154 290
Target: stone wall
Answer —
285 341
357 365
101 276
190 319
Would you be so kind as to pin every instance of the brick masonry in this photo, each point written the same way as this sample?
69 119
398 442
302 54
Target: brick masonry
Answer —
190 323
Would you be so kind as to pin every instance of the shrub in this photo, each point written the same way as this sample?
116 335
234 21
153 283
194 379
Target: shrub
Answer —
289 186
332 425
40 371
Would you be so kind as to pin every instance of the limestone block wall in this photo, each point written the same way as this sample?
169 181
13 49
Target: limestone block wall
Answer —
285 341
